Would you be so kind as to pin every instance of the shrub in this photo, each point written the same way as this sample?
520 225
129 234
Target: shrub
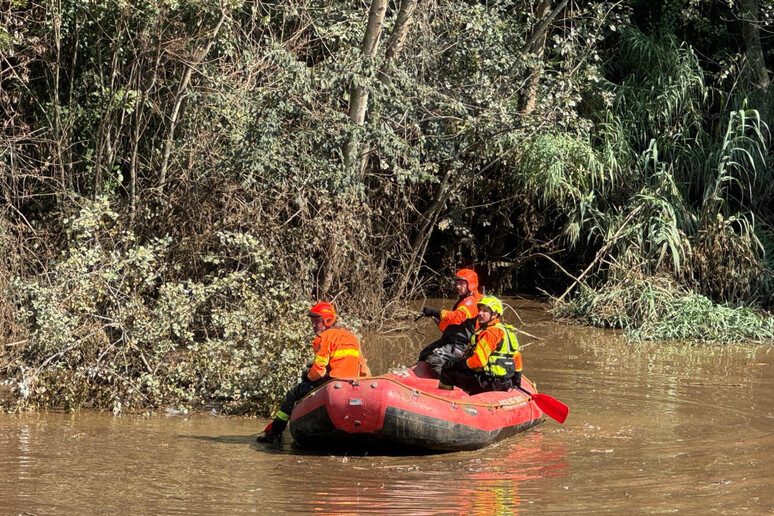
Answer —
658 308
108 330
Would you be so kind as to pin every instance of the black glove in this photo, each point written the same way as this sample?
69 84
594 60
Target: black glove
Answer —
516 380
431 312
460 364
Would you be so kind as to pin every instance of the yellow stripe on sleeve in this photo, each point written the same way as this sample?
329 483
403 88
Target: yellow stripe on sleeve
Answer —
345 353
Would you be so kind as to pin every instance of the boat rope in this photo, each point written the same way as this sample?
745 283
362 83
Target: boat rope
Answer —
526 399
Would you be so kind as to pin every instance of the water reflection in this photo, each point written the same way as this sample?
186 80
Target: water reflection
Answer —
490 481
498 487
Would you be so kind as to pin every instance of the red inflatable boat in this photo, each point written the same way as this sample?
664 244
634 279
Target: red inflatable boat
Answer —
406 408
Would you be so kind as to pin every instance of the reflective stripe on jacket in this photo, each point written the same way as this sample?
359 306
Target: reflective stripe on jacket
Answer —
464 309
337 354
495 351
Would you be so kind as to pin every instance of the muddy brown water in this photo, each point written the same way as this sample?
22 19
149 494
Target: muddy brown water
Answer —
653 429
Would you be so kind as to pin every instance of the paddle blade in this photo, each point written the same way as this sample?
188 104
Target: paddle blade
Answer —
551 406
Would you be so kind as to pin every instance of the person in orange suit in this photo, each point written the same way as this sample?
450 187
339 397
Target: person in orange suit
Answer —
337 354
493 361
457 325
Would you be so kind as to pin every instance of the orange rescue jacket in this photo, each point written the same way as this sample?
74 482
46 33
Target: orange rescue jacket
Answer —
466 308
337 354
487 341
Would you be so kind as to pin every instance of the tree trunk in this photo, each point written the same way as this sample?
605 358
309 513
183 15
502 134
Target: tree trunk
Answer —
181 94
757 72
358 97
104 153
536 45
425 224
58 133
394 48
398 38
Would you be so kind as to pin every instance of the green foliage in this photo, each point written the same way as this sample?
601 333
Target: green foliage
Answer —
696 317
109 330
209 137
657 308
657 173
678 204
6 42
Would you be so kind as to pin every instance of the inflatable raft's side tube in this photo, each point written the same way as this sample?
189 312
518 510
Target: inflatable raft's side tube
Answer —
315 429
403 428
423 431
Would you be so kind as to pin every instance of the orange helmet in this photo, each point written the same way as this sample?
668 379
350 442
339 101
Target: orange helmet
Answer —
469 276
326 311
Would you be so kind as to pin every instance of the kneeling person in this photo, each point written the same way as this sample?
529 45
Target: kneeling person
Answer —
494 361
457 325
336 355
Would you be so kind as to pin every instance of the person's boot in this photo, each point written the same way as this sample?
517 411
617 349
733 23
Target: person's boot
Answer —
272 434
269 438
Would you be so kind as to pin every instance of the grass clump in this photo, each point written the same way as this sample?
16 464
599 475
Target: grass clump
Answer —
658 308
695 317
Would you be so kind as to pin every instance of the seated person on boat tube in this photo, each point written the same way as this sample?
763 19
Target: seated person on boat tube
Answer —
336 355
493 360
457 324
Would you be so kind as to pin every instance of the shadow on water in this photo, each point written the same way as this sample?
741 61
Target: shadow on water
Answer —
246 440
288 447
224 439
